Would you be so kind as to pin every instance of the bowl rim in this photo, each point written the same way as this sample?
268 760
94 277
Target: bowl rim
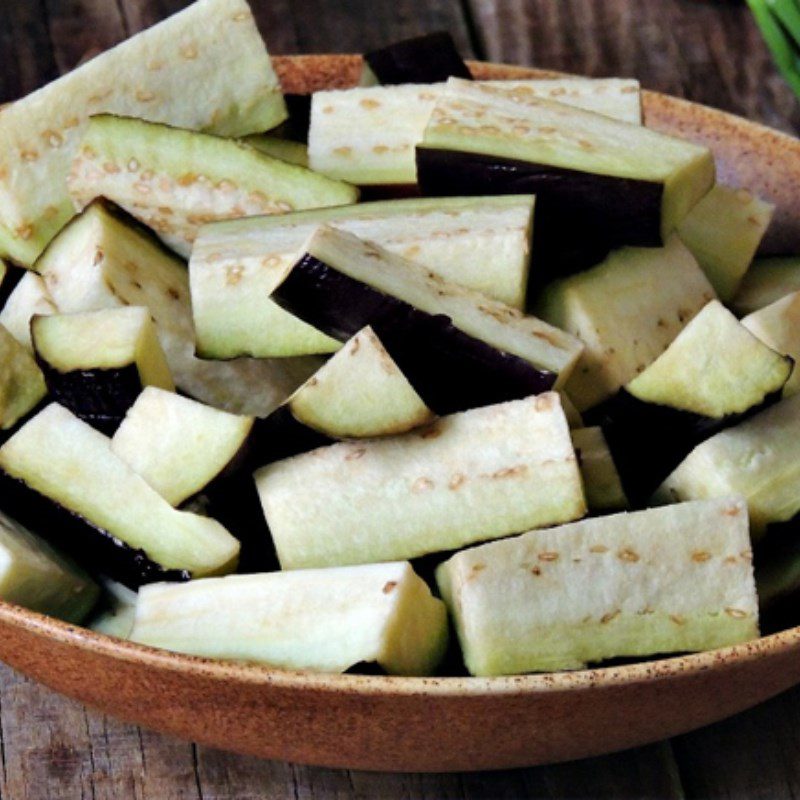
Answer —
596 678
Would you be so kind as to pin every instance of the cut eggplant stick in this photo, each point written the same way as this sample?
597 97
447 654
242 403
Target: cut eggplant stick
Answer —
430 58
115 618
61 474
35 576
96 363
22 385
326 620
767 280
479 475
205 68
723 232
458 348
29 298
626 311
104 259
176 180
284 149
599 183
601 481
663 580
778 326
759 459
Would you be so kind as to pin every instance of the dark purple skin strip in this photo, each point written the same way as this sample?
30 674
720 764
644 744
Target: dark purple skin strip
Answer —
432 58
12 277
579 217
450 370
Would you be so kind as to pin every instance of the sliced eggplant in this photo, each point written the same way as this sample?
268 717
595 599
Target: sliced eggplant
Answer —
759 459
22 385
284 149
62 480
599 183
9 278
367 135
458 348
626 311
766 281
574 418
658 581
430 58
177 180
29 298
103 259
723 232
35 576
601 481
118 608
205 68
96 363
325 620
469 477
778 326
481 243
713 375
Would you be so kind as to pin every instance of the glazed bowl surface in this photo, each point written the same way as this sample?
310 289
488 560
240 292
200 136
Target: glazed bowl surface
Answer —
439 724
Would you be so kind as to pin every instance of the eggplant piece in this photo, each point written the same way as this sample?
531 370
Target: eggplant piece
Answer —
118 608
626 311
479 475
96 363
663 580
37 577
768 280
104 259
295 127
176 180
28 299
431 58
601 481
481 243
62 480
367 136
458 348
713 375
205 68
778 326
10 277
723 231
609 182
22 385
323 620
284 149
759 459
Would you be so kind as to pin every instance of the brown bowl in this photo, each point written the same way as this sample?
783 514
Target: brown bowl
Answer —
437 724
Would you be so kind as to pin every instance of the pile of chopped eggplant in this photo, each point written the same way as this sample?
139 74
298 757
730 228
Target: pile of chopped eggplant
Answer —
316 381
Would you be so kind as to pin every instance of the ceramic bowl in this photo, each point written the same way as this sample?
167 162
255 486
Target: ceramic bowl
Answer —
437 724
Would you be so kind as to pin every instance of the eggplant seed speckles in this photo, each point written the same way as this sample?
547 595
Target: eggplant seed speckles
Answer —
354 455
598 548
389 587
145 96
544 402
628 555
536 570
701 556
549 555
233 274
510 472
678 619
730 561
421 485
736 613
606 618
343 151
369 103
29 155
188 52
456 482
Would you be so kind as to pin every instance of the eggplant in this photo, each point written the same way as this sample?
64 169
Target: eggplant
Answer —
10 276
205 68
663 580
325 620
61 480
778 326
35 576
767 280
601 481
723 231
626 310
478 475
284 149
295 126
177 180
423 59
600 183
713 375
367 135
481 243
96 363
116 612
28 299
759 459
22 385
458 348
104 259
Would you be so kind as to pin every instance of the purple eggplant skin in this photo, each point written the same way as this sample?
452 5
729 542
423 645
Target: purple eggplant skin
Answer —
450 370
12 277
432 58
579 219
100 397
295 126
96 549
281 435
648 441
781 544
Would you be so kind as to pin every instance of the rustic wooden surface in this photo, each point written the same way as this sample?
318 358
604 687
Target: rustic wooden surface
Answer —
707 51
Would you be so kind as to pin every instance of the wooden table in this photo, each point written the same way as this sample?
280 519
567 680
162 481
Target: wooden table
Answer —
708 51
